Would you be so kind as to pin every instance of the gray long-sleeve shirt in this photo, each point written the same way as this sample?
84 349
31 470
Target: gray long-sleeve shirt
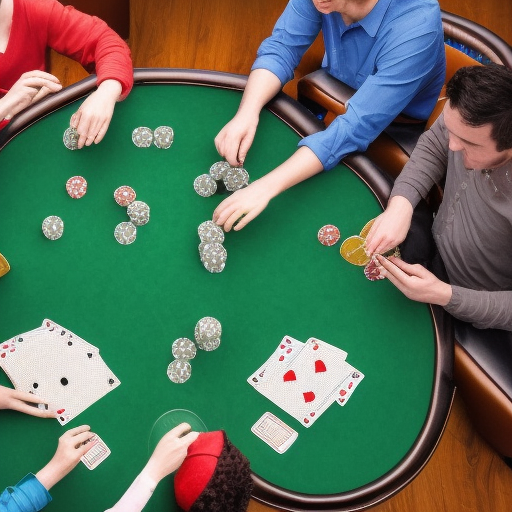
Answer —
472 229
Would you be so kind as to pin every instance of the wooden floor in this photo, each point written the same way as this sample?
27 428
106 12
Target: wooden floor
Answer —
464 474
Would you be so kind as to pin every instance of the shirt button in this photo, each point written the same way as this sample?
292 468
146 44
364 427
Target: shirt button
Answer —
463 185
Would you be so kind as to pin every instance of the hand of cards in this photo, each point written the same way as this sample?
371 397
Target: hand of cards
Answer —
304 379
59 366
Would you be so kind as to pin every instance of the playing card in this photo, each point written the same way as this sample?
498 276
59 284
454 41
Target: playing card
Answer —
348 386
285 352
278 435
70 336
304 387
68 373
97 454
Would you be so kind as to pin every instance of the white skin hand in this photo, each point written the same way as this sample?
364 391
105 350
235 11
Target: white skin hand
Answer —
70 449
170 452
391 227
415 281
29 89
19 401
93 117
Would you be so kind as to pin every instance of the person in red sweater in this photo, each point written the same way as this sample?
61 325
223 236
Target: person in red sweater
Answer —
28 28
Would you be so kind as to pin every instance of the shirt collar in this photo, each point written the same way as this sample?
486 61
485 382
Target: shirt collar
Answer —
372 21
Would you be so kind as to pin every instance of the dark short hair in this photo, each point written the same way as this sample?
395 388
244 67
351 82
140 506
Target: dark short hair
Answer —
483 95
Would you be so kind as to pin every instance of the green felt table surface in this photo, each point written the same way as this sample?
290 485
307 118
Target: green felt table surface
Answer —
133 301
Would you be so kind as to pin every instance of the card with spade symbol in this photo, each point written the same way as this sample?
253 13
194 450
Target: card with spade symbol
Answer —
59 366
306 386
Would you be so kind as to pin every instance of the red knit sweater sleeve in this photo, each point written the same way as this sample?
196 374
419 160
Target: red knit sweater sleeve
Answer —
90 41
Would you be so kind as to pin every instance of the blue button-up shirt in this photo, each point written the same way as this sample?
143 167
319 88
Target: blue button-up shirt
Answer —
394 57
28 495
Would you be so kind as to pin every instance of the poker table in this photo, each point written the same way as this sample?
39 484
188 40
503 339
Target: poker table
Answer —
133 301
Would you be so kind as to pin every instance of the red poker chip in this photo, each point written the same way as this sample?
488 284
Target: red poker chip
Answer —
76 187
124 195
328 235
371 271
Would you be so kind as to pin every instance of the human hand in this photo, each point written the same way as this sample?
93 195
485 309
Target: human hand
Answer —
20 401
92 119
30 88
235 139
415 281
70 449
391 227
244 204
170 452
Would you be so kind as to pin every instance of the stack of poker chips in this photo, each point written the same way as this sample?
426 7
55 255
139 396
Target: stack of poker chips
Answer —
162 137
138 212
207 335
211 251
70 138
220 178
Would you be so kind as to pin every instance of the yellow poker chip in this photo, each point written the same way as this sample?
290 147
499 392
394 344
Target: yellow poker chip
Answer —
4 266
353 250
366 228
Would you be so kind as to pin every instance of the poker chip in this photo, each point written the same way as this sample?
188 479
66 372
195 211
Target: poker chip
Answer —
213 256
124 195
205 185
179 371
236 178
163 137
208 231
371 271
366 228
76 187
70 138
353 250
142 137
53 227
183 348
138 211
207 333
125 233
328 235
218 170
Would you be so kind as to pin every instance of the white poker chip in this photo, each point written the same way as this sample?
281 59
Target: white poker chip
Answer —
218 170
207 333
163 137
208 231
70 138
183 348
142 137
138 211
205 185
53 227
125 233
179 371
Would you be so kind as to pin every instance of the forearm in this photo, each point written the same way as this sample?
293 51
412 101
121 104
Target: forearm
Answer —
301 165
483 309
137 495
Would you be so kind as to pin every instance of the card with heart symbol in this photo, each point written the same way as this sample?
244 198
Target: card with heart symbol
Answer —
59 366
306 385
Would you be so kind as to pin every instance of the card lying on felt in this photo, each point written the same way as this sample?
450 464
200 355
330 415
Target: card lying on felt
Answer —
304 379
57 365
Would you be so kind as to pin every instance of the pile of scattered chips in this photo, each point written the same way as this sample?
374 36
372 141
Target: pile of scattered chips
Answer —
211 251
70 138
207 335
162 137
138 212
221 177
53 227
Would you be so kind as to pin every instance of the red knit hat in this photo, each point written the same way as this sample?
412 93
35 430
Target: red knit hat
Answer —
214 477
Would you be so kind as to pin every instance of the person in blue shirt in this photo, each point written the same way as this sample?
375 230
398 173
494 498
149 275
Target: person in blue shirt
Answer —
390 51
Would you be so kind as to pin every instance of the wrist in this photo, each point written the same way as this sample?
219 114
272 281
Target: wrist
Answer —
112 88
50 475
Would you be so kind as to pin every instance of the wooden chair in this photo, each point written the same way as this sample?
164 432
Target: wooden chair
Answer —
483 358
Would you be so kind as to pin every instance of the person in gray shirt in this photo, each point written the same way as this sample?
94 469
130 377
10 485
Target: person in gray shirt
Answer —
470 148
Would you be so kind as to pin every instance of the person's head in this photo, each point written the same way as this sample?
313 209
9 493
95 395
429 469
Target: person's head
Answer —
478 115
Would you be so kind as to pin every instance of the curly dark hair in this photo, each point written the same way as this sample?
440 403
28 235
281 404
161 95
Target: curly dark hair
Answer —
230 486
483 95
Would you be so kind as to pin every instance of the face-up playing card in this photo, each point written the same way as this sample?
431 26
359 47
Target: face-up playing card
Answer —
285 352
55 364
348 386
304 387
